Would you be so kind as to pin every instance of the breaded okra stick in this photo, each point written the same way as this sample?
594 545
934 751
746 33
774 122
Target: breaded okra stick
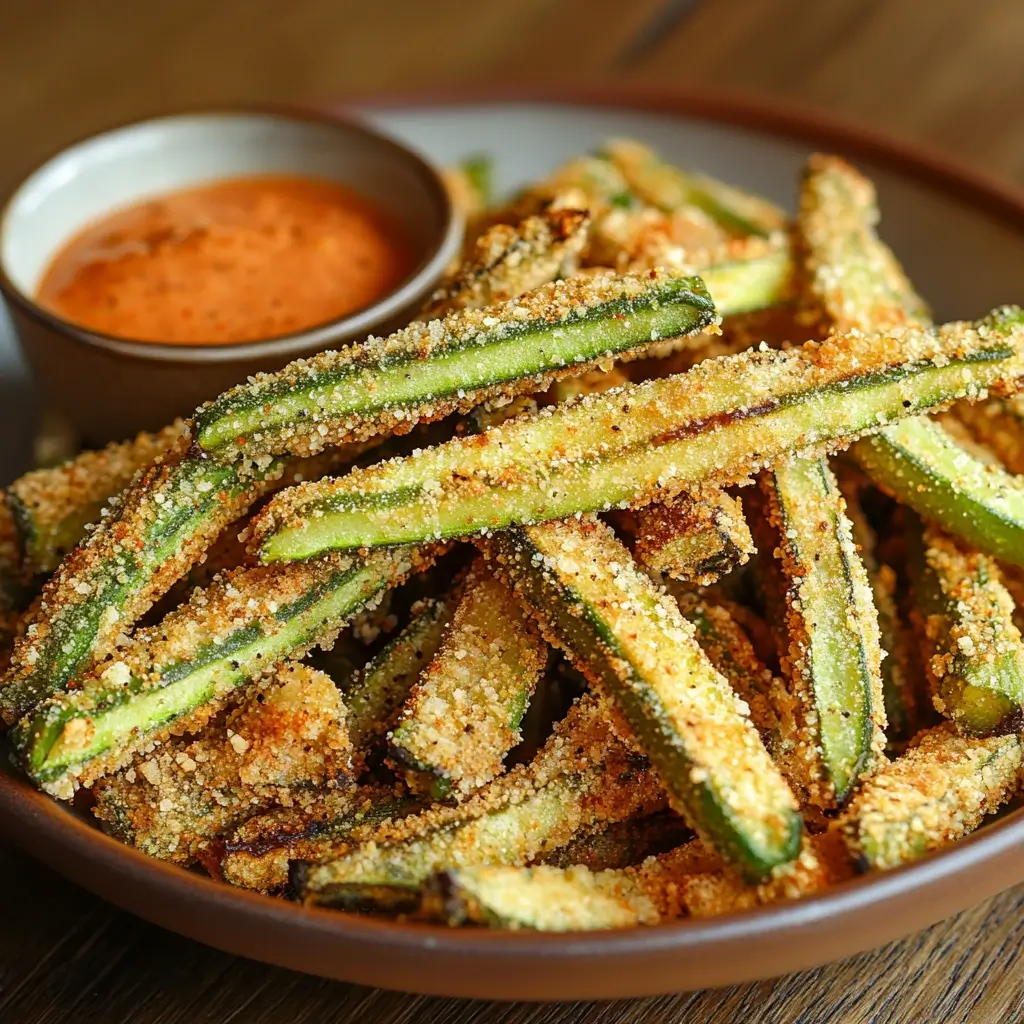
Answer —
859 285
320 822
508 260
580 781
671 188
632 644
713 425
899 692
972 648
827 629
52 507
161 526
694 539
938 791
173 677
288 735
463 714
427 371
685 881
375 693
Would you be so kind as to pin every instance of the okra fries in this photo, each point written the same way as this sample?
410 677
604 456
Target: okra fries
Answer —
730 692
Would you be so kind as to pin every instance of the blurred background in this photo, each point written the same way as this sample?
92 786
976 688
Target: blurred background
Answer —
946 71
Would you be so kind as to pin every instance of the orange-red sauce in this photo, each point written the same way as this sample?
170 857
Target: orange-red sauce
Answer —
236 260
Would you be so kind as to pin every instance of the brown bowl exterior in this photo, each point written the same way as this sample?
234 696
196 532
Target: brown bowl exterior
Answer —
101 388
101 394
687 955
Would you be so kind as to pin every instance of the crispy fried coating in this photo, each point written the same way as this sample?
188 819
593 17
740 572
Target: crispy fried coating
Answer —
670 189
581 780
853 276
509 260
541 898
376 693
257 854
632 644
728 647
175 677
939 790
594 184
685 881
161 526
1013 579
54 506
899 689
972 649
823 862
695 539
827 630
363 390
463 714
721 421
624 844
287 735
999 426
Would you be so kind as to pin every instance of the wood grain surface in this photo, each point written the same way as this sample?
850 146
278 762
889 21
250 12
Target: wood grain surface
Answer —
948 72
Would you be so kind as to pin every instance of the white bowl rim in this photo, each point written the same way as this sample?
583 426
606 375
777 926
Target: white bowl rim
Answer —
322 336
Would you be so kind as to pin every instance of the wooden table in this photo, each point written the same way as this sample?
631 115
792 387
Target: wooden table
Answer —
947 71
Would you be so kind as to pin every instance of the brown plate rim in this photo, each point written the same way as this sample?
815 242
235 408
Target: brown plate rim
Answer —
533 965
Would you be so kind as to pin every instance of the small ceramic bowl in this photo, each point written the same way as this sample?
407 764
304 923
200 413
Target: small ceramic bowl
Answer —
106 388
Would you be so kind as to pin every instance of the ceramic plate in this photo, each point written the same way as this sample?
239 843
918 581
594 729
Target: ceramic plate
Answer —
962 240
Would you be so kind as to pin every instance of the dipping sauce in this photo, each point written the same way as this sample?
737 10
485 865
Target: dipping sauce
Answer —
238 260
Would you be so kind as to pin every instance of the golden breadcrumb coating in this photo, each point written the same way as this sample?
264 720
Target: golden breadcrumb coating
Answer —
257 854
342 377
718 420
823 862
123 566
582 779
463 714
694 538
56 505
687 881
670 188
851 273
286 735
939 790
971 646
508 260
999 426
623 844
222 632
828 636
667 698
